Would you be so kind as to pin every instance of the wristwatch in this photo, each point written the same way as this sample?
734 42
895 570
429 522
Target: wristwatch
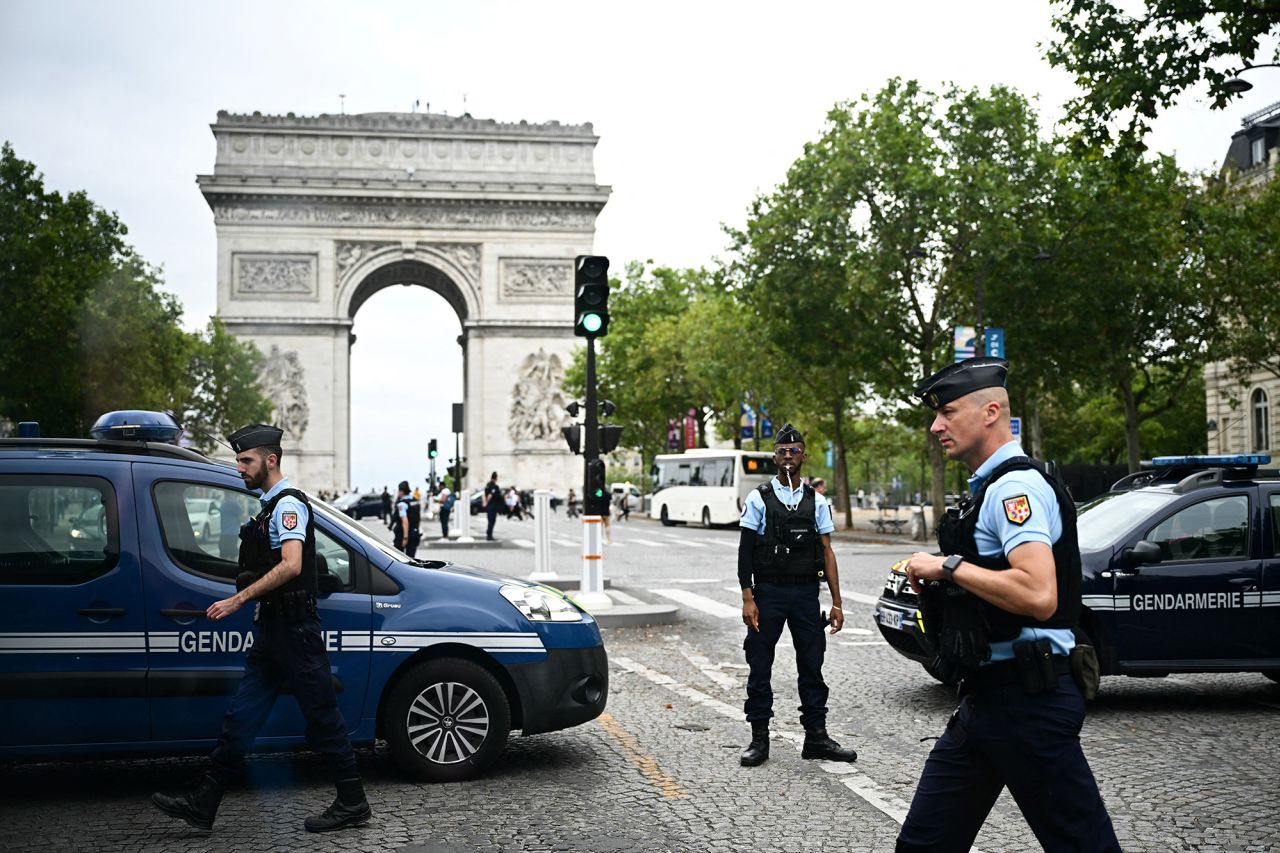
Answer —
950 565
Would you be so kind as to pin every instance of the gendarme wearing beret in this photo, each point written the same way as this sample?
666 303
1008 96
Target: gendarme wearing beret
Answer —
963 377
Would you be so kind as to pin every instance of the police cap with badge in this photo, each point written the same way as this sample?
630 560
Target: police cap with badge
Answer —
254 436
788 435
961 378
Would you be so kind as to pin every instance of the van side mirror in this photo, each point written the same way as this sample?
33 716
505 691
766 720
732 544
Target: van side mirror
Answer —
1142 553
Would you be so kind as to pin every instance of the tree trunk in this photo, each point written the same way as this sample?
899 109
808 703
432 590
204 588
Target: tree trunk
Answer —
938 465
1131 422
1037 438
842 468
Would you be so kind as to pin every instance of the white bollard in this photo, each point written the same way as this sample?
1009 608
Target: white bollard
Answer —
464 521
591 593
542 537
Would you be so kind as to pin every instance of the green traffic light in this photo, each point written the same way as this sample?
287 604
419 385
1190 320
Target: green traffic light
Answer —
599 492
592 322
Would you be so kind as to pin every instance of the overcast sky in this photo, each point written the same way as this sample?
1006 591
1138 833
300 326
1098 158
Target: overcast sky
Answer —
699 106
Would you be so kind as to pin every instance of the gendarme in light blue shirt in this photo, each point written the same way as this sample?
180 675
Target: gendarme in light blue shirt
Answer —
289 519
753 510
998 534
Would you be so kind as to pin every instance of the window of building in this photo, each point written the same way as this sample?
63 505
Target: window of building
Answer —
1258 148
57 530
1260 409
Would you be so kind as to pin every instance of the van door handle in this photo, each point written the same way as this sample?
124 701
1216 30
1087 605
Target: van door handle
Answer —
174 613
102 612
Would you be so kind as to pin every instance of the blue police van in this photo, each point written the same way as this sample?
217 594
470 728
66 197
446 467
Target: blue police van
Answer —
1181 572
111 550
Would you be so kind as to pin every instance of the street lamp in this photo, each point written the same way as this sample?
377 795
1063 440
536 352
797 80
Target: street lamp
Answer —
1237 84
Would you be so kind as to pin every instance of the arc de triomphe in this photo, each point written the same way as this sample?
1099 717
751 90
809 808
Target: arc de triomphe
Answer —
316 214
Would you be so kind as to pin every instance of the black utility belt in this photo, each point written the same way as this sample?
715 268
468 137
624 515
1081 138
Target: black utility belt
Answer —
293 606
1033 667
814 578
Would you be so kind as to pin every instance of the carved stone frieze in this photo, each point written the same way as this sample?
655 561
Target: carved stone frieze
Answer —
451 216
464 256
535 278
274 276
348 253
283 384
537 401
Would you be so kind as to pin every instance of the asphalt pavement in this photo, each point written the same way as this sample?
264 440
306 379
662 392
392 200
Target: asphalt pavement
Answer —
1188 762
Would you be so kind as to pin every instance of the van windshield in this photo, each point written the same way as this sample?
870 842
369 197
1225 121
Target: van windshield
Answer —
358 530
1100 529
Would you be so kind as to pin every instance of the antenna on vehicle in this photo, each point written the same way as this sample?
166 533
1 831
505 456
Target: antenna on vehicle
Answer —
212 438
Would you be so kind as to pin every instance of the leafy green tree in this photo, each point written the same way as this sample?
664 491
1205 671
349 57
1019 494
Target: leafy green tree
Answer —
1240 245
89 330
882 230
1132 66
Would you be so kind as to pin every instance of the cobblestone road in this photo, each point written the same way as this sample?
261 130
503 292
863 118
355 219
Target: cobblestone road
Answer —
1184 763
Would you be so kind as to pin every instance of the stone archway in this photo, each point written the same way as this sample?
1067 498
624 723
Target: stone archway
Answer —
315 215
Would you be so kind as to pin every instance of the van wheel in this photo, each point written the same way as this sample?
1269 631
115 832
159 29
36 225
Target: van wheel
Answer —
706 518
666 521
447 720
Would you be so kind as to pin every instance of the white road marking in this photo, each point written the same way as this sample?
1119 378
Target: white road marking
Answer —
523 543
648 542
699 602
711 671
861 598
864 631
568 543
855 780
728 543
863 643
695 580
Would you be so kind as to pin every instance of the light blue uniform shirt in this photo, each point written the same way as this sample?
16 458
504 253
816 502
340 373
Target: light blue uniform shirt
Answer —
402 506
753 510
998 534
289 519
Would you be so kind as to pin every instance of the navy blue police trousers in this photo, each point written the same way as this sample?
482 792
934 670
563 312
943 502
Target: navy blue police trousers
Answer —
283 653
795 605
1001 736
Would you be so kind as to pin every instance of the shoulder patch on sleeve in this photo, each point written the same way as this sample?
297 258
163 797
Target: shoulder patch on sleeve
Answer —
289 520
1017 509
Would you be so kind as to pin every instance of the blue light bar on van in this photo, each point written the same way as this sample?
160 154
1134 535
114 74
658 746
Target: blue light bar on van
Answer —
136 425
1213 461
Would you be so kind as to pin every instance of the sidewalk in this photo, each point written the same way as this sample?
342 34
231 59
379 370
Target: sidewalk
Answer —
887 526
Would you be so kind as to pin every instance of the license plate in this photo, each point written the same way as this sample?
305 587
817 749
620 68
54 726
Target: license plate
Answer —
890 618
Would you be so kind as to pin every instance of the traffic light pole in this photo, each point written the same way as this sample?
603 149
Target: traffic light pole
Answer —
591 593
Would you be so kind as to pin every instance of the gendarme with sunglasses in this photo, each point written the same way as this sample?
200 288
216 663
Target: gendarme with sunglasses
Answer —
783 558
999 604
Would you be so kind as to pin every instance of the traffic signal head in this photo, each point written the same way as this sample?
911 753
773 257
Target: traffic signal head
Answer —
595 498
432 450
591 296
610 435
573 435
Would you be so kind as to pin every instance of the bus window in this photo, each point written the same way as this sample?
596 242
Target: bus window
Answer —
763 466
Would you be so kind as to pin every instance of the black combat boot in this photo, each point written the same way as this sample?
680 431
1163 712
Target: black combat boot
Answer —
349 809
197 806
818 744
757 752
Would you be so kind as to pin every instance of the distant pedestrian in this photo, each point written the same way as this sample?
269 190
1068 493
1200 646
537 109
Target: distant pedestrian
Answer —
385 511
407 516
624 504
862 498
445 499
278 572
572 503
819 486
491 501
417 495
512 500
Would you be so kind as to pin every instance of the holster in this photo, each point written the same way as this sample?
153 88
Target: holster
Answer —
955 629
293 606
1086 670
1034 662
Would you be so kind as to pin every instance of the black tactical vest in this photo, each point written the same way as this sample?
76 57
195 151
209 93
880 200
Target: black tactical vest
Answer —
957 535
791 544
257 555
413 512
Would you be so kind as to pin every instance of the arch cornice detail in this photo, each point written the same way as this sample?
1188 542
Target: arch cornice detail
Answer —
450 269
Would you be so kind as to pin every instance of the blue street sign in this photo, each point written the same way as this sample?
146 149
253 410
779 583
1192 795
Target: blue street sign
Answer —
964 340
1015 427
747 422
831 456
995 342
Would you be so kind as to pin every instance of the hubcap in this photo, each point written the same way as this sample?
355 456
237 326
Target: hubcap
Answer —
448 722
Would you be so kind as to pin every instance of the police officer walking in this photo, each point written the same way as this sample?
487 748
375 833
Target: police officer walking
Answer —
405 519
491 501
1000 605
783 557
278 571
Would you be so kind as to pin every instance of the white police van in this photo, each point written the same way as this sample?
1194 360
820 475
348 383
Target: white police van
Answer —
1181 572
111 550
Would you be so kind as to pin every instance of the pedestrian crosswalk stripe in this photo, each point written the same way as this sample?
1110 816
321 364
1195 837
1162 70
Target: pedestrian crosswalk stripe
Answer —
568 543
861 597
700 602
523 543
649 542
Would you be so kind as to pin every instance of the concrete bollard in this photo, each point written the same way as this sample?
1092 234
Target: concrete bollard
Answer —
591 593
463 506
542 537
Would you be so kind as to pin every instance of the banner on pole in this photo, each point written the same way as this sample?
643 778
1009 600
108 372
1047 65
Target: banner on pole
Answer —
964 340
691 429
